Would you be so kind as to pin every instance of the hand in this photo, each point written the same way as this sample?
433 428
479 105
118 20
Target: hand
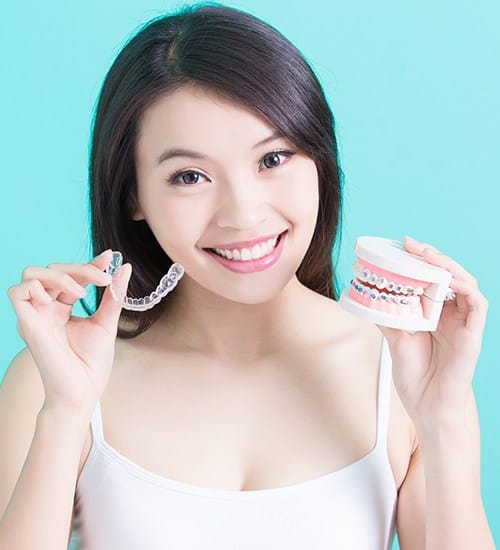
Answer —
433 371
73 354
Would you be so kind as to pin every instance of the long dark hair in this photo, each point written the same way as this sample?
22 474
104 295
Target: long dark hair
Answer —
231 52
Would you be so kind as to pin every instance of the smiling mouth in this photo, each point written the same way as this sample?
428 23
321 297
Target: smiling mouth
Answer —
245 254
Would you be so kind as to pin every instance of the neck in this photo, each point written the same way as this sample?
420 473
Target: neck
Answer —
204 322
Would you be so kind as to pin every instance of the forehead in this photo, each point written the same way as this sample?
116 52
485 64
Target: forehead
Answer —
193 115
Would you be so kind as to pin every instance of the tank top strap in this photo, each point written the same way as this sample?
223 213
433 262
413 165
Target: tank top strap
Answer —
96 424
384 395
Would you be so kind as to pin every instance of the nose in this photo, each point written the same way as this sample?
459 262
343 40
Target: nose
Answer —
243 203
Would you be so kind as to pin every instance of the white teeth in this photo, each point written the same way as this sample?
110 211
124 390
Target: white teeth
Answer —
258 251
245 254
373 295
381 282
363 274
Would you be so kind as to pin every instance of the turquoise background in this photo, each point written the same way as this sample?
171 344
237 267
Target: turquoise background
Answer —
414 87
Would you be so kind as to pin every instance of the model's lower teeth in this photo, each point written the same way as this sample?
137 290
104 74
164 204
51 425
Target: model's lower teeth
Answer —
247 255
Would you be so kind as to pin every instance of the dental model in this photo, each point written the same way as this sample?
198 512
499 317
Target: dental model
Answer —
395 288
167 283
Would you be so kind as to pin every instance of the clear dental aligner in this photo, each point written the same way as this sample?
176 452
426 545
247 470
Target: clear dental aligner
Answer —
167 283
395 288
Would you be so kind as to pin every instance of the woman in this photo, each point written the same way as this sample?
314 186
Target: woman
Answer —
246 409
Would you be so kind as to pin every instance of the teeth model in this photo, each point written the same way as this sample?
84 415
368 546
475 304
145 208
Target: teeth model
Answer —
394 288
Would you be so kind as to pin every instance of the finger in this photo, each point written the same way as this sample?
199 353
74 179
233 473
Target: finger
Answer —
69 278
471 302
31 291
27 300
432 255
440 260
417 247
59 285
108 313
90 273
102 260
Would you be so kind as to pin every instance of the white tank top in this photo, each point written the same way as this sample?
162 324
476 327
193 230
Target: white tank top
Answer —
121 506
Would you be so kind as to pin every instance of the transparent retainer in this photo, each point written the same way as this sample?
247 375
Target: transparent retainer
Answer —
167 283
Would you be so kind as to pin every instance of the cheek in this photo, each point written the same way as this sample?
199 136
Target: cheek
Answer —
301 199
176 224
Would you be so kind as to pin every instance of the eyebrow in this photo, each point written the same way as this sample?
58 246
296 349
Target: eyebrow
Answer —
178 152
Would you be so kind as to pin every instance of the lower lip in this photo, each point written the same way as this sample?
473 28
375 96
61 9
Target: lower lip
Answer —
251 266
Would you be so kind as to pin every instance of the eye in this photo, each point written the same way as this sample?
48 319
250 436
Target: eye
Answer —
188 177
191 177
274 158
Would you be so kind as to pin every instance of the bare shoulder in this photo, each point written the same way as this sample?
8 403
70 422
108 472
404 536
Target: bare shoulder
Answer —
22 389
331 323
360 342
21 398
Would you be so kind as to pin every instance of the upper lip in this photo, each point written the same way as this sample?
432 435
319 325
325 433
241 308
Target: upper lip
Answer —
247 244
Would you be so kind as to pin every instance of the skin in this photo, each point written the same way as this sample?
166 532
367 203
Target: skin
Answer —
280 357
228 315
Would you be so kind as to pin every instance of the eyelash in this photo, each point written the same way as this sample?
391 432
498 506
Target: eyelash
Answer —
171 179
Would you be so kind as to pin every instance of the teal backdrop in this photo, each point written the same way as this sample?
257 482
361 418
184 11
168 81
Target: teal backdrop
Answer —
415 90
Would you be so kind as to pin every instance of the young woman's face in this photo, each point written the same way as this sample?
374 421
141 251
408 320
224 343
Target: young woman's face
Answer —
232 187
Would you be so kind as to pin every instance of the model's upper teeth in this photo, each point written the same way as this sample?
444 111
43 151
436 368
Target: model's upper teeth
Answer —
365 275
245 254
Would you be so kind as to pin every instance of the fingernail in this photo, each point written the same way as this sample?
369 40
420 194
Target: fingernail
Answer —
102 254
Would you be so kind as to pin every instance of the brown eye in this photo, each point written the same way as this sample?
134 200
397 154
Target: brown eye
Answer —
188 177
272 160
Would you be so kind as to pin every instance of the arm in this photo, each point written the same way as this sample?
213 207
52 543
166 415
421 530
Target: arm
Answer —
41 450
74 358
440 503
433 373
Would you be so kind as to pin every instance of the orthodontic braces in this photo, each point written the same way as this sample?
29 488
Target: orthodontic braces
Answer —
367 276
167 283
375 294
371 290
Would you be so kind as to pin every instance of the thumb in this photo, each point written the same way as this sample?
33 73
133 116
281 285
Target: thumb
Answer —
108 313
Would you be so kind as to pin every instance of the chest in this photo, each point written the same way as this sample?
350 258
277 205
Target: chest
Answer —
240 428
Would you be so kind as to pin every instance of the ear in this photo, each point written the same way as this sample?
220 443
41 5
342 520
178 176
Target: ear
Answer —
137 216
134 207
